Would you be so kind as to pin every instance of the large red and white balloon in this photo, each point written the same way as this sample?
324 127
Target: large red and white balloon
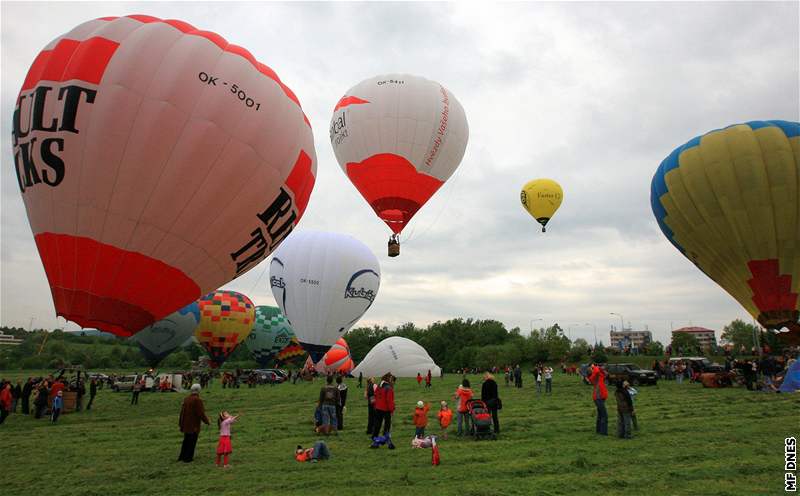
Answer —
157 162
398 138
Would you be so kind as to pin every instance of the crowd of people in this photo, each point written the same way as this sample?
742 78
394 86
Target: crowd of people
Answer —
44 396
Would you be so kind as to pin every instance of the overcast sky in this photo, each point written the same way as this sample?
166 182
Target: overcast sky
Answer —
592 95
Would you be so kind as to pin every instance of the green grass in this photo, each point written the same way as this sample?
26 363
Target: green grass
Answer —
691 441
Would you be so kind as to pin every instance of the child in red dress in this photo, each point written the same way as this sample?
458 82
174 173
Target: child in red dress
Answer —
224 448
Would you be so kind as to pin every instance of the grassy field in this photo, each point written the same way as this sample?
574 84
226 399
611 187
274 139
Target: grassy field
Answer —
691 441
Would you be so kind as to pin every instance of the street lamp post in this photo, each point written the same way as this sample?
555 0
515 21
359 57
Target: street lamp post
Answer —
595 331
532 321
621 321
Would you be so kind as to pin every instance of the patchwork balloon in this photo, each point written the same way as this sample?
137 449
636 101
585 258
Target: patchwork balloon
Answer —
730 202
226 319
156 162
323 283
158 340
271 333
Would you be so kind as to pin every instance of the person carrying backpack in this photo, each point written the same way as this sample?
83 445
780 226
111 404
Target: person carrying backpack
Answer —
329 399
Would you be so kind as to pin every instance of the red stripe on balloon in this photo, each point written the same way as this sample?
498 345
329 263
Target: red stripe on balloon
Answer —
301 182
393 187
771 289
71 59
120 301
348 100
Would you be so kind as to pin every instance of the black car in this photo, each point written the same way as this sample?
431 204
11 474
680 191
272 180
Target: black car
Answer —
631 373
700 364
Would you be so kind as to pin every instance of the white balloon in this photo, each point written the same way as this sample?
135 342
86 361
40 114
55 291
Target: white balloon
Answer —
398 137
323 283
400 356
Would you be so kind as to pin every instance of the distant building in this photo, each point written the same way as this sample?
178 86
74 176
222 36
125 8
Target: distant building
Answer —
8 340
628 338
706 337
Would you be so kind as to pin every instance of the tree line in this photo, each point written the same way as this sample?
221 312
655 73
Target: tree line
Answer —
453 344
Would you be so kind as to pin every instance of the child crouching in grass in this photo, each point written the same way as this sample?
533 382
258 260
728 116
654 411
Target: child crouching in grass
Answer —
421 418
224 448
445 417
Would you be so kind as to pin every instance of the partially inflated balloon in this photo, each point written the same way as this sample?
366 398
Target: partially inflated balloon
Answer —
156 163
398 138
291 353
334 358
226 318
158 340
541 198
728 200
323 283
271 333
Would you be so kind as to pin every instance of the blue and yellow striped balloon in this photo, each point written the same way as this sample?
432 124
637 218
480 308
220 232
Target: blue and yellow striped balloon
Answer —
728 200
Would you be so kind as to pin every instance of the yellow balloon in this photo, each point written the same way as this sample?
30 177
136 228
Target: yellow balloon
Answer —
541 198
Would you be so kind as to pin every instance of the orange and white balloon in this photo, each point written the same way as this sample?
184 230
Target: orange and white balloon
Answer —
335 358
156 162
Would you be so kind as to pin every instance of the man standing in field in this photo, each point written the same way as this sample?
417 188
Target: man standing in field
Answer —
192 413
599 395
92 393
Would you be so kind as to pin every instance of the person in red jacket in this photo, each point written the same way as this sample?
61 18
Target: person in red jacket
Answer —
420 418
419 378
599 395
384 407
5 401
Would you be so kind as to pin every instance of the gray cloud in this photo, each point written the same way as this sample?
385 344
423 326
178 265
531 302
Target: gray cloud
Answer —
593 95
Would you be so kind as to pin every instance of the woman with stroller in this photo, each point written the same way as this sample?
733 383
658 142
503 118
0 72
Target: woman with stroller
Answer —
491 397
462 396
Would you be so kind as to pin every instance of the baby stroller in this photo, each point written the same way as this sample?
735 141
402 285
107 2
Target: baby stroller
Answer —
481 420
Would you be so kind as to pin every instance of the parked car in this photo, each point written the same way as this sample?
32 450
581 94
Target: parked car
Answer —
270 376
699 363
631 373
126 382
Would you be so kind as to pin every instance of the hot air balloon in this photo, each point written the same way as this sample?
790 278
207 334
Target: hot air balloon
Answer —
400 356
291 353
541 198
226 318
271 333
158 340
323 283
336 357
728 200
156 163
398 138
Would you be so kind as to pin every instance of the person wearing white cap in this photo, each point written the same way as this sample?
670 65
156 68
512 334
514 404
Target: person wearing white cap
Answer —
421 418
192 413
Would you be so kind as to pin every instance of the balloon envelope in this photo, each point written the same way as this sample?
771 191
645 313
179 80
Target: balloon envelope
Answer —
271 333
398 138
291 353
226 318
323 283
156 163
400 356
335 358
541 198
730 202
158 340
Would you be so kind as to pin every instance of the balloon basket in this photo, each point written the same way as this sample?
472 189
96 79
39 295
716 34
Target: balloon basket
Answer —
394 248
